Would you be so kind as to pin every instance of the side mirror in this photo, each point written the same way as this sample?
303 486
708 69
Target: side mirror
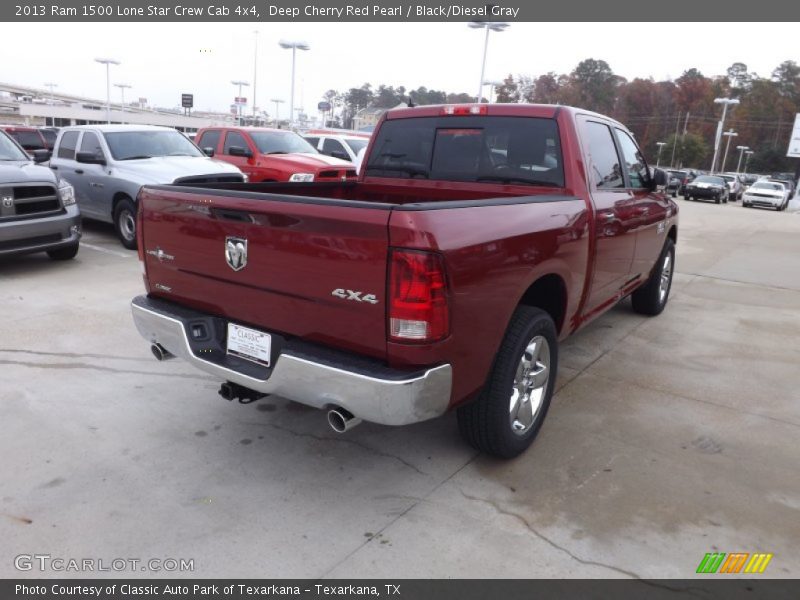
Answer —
659 179
40 156
208 151
340 154
239 151
89 158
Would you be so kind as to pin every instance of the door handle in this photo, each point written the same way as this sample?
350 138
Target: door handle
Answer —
79 171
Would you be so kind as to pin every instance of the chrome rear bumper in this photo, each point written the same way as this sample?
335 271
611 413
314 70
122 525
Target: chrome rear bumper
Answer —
369 391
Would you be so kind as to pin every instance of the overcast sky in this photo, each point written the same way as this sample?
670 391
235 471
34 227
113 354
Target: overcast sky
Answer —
162 60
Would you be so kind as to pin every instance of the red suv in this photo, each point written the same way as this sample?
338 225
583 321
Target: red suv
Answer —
265 154
29 138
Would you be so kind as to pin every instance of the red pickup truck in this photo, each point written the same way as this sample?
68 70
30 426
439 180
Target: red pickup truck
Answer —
475 238
265 154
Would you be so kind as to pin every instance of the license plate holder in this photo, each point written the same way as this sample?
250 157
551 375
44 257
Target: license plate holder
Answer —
249 344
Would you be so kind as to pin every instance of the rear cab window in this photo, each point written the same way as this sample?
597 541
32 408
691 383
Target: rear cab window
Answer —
485 149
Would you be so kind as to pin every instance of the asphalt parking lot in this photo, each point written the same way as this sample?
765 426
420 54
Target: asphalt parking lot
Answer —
669 437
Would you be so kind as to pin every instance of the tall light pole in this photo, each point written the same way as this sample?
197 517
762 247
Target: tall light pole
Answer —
748 154
741 150
720 127
294 46
488 27
278 103
108 62
658 156
495 84
729 135
122 87
51 86
241 84
255 74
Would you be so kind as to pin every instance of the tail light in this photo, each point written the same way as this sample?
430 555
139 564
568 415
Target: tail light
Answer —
465 109
419 310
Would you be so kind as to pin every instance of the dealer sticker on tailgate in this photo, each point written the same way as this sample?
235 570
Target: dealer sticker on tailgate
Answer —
249 344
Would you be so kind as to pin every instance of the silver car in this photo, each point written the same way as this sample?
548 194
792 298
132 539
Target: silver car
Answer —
37 211
108 164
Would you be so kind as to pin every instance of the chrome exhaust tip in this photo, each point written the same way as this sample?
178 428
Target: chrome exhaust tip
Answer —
160 352
342 420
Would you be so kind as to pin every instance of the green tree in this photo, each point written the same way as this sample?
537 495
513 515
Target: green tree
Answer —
691 150
595 85
509 91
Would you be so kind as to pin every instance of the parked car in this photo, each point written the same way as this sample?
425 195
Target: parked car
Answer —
708 187
735 185
768 194
677 180
49 134
37 211
442 279
345 147
266 154
787 183
30 138
107 164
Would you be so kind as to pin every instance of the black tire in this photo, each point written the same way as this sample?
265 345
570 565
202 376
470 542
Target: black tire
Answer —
648 299
486 423
65 253
717 200
125 222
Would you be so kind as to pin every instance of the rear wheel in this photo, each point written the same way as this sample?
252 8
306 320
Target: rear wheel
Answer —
651 298
125 222
66 253
510 410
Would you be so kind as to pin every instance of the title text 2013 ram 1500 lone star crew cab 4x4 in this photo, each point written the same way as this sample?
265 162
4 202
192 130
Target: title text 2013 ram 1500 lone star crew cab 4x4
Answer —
475 238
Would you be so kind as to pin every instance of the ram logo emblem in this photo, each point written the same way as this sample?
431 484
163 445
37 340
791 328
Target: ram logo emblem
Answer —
236 252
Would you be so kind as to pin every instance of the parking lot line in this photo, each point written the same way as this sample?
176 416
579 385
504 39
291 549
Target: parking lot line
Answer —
105 250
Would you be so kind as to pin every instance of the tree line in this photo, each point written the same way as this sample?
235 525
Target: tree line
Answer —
680 112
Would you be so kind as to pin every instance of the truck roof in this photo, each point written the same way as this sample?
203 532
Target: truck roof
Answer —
548 111
118 128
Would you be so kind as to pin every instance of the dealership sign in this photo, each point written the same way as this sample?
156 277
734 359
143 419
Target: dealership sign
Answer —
794 141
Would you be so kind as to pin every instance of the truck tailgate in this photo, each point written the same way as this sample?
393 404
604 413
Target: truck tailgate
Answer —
298 252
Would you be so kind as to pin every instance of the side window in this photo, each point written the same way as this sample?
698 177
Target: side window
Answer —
209 139
69 141
90 143
634 161
606 171
329 146
234 138
314 141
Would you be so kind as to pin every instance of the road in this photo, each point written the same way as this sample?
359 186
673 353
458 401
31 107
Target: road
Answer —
669 437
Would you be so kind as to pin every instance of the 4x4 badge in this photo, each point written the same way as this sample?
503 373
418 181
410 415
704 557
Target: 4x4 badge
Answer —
236 252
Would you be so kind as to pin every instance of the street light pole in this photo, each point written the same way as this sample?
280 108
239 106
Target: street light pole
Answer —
729 134
122 87
278 103
50 86
494 85
108 62
255 74
748 153
741 150
658 156
488 26
720 127
294 46
239 104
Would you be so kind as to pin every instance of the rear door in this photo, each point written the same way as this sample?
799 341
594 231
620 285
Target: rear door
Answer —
64 164
287 260
614 221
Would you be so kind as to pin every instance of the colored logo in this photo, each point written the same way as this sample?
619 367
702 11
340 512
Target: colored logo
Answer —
735 562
